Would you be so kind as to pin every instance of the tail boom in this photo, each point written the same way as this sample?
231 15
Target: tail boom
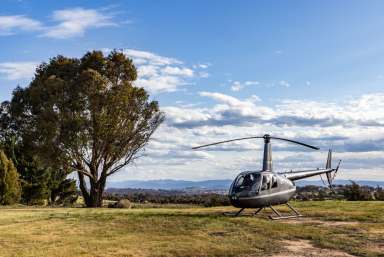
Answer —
296 175
329 171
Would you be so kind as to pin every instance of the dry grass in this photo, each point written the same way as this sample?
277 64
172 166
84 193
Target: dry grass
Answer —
356 228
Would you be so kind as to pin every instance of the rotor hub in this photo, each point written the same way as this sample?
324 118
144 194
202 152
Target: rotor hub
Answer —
267 138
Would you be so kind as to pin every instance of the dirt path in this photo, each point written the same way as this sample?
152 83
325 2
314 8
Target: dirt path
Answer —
303 248
314 221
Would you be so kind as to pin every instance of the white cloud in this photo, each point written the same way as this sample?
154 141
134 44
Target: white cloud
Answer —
158 84
347 126
226 99
147 70
74 22
236 86
67 23
284 83
251 83
158 73
178 71
11 24
17 70
343 126
144 57
365 111
180 115
254 99
203 74
201 66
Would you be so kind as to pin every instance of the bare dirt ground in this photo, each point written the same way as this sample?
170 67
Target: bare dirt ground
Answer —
303 220
303 248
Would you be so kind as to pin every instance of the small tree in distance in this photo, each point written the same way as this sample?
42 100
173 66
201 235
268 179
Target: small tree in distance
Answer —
10 188
355 192
87 116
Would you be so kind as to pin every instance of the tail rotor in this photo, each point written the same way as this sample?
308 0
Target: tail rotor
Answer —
331 174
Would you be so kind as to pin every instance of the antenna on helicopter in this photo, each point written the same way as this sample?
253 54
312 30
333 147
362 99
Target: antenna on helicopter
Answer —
267 160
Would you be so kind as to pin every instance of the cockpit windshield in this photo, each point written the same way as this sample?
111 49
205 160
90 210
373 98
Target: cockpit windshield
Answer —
247 183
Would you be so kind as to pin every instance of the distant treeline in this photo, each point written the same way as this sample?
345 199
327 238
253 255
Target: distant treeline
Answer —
351 192
167 197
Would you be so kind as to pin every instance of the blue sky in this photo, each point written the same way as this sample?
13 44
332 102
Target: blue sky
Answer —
311 70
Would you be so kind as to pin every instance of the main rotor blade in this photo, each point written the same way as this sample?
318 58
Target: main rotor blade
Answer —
296 142
226 141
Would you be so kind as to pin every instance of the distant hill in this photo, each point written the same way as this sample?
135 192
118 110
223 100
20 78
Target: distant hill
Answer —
371 183
169 184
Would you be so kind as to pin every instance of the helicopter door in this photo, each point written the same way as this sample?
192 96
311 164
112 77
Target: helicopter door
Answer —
274 181
267 182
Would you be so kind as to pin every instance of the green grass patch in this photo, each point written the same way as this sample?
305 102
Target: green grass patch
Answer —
353 227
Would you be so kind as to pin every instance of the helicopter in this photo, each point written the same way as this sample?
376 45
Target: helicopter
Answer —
266 188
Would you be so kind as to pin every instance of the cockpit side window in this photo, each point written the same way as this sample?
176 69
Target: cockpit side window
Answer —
274 181
264 184
268 182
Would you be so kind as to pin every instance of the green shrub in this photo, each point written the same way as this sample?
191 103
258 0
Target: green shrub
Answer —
123 203
354 192
10 188
379 194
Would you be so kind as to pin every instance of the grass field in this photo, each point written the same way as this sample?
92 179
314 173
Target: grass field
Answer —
344 228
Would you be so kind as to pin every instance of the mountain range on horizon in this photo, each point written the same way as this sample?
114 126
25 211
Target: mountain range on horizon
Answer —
220 184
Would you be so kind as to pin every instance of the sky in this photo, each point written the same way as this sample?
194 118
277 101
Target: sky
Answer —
305 70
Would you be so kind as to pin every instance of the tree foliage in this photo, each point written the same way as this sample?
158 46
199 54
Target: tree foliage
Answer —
39 184
355 192
379 193
62 190
10 189
87 116
167 197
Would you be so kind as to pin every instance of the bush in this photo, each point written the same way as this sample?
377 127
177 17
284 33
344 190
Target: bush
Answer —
354 192
379 194
123 203
10 187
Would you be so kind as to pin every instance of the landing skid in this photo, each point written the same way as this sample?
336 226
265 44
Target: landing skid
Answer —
234 214
277 215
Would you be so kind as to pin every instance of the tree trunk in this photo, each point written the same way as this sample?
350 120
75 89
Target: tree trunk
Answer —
95 195
83 188
93 198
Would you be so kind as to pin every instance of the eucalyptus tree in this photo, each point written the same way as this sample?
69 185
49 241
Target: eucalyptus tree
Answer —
86 115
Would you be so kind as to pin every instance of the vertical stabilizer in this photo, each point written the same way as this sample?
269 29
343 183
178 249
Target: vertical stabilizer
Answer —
329 166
